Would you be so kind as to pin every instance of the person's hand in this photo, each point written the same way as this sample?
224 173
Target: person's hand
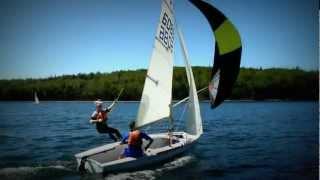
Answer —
91 121
149 152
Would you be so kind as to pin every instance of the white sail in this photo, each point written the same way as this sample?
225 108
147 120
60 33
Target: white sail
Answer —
157 91
36 99
193 116
213 86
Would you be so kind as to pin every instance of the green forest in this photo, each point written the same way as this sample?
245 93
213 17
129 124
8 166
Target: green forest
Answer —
253 84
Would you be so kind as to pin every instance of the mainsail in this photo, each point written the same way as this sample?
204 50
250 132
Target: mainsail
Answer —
157 91
227 53
193 121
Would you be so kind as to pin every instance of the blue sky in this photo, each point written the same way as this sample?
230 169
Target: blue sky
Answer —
41 38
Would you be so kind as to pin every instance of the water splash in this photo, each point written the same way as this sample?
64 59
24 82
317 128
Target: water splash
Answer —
153 174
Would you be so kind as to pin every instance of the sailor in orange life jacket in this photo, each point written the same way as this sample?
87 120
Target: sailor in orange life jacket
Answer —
100 117
134 140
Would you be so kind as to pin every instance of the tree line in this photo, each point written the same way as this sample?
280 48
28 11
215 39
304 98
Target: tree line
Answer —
255 84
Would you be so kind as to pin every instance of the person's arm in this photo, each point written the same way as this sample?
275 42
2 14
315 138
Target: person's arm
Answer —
93 118
146 137
109 108
125 140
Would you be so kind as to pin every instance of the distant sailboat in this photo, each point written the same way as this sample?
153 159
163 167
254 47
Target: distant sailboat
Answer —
36 99
156 105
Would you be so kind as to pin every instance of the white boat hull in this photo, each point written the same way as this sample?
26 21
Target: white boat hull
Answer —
105 158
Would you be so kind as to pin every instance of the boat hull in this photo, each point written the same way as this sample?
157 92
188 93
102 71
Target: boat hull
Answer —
105 159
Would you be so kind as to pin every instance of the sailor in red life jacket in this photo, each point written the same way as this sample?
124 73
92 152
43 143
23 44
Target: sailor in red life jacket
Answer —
100 117
134 141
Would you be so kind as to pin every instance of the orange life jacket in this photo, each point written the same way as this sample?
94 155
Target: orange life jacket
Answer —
102 115
134 138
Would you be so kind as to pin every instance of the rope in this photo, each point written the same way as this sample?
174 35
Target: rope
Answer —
182 114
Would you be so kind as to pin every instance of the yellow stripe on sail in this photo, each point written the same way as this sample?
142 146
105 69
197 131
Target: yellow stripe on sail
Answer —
227 37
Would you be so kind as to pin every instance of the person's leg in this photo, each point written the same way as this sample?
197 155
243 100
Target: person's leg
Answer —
114 131
124 153
105 129
112 137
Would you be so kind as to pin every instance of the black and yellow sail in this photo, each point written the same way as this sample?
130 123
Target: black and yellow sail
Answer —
226 63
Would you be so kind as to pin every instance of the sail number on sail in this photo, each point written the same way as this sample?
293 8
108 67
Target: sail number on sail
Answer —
166 32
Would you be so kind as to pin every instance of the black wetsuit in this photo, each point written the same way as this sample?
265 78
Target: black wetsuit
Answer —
102 127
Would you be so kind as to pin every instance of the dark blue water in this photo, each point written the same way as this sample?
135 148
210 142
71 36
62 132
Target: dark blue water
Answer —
241 140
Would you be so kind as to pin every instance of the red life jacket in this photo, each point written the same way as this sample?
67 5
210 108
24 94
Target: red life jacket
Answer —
134 138
102 115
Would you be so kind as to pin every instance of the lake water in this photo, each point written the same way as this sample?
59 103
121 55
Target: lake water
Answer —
241 140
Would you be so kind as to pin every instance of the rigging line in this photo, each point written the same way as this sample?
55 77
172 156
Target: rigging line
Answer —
187 98
115 101
182 114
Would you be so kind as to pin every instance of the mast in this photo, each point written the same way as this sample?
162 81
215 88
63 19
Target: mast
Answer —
171 120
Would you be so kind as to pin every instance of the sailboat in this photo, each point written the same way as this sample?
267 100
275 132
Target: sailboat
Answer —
36 99
156 100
